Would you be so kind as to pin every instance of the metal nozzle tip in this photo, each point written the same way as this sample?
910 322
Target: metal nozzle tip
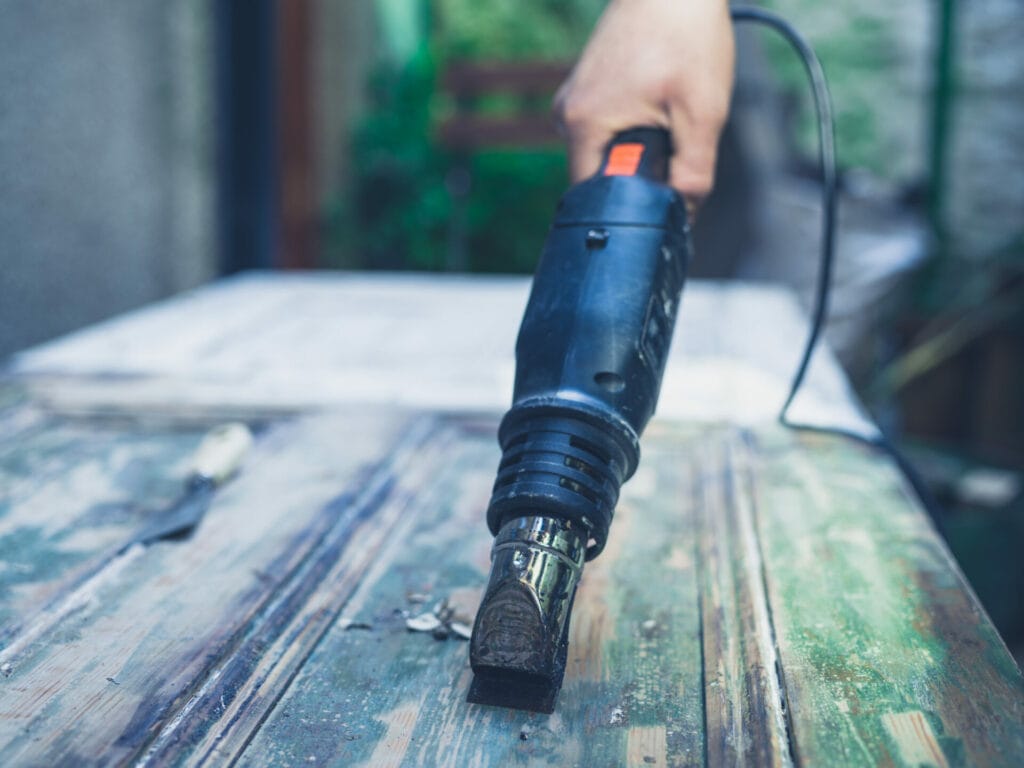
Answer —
520 639
514 692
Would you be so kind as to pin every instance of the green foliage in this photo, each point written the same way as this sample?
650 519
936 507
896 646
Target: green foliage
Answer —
861 51
511 206
509 29
399 211
401 214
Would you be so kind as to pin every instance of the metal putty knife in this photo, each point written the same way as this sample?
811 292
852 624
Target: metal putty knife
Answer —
216 459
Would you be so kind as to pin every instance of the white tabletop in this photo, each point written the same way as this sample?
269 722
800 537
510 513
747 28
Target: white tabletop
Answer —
282 341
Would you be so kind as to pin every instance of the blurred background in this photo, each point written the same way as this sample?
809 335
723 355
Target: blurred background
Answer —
149 146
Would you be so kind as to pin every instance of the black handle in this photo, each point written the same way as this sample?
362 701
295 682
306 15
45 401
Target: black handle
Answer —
638 152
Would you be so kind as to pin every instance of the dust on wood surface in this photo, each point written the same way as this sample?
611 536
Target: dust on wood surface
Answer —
885 652
384 696
120 654
766 598
296 341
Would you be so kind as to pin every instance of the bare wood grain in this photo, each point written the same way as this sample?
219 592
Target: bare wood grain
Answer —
285 342
71 493
885 652
100 686
633 680
249 684
745 718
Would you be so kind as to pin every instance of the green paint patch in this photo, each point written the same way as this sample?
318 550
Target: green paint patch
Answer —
72 492
862 635
28 557
389 694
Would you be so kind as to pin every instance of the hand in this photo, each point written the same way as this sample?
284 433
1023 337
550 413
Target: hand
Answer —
666 63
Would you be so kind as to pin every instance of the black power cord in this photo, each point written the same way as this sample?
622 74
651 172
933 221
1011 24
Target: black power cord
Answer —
823 287
829 184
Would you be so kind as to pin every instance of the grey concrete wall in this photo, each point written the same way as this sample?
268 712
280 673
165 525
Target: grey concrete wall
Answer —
985 203
877 55
106 159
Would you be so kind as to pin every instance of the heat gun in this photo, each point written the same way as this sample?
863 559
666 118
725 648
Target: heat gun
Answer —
590 356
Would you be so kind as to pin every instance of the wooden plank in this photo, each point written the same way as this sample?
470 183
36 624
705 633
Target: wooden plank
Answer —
762 600
71 493
472 133
385 696
473 78
146 635
287 342
766 598
887 657
745 718
222 716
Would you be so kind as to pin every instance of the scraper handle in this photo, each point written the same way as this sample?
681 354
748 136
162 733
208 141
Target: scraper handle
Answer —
221 452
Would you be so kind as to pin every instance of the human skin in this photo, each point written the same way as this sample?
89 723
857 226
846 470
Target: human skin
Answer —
664 63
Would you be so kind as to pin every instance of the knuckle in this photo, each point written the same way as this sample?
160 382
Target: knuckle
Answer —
694 184
700 189
713 113
574 109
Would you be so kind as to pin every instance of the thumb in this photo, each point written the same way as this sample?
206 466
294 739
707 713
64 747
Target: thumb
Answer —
584 136
586 149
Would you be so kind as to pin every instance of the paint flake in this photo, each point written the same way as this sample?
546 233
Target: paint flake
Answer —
450 617
425 622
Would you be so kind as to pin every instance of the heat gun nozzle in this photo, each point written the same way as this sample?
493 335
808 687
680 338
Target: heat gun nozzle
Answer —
520 639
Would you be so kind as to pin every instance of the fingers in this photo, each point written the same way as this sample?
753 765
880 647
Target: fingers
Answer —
695 145
585 153
583 131
697 115
695 150
589 124
695 131
653 63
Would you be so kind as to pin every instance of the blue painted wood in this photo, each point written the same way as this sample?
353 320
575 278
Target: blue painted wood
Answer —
374 693
767 598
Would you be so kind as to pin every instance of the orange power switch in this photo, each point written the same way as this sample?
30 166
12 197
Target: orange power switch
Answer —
624 160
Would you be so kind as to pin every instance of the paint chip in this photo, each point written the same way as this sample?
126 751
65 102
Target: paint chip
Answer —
463 603
347 624
425 622
451 616
989 487
617 717
6 669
